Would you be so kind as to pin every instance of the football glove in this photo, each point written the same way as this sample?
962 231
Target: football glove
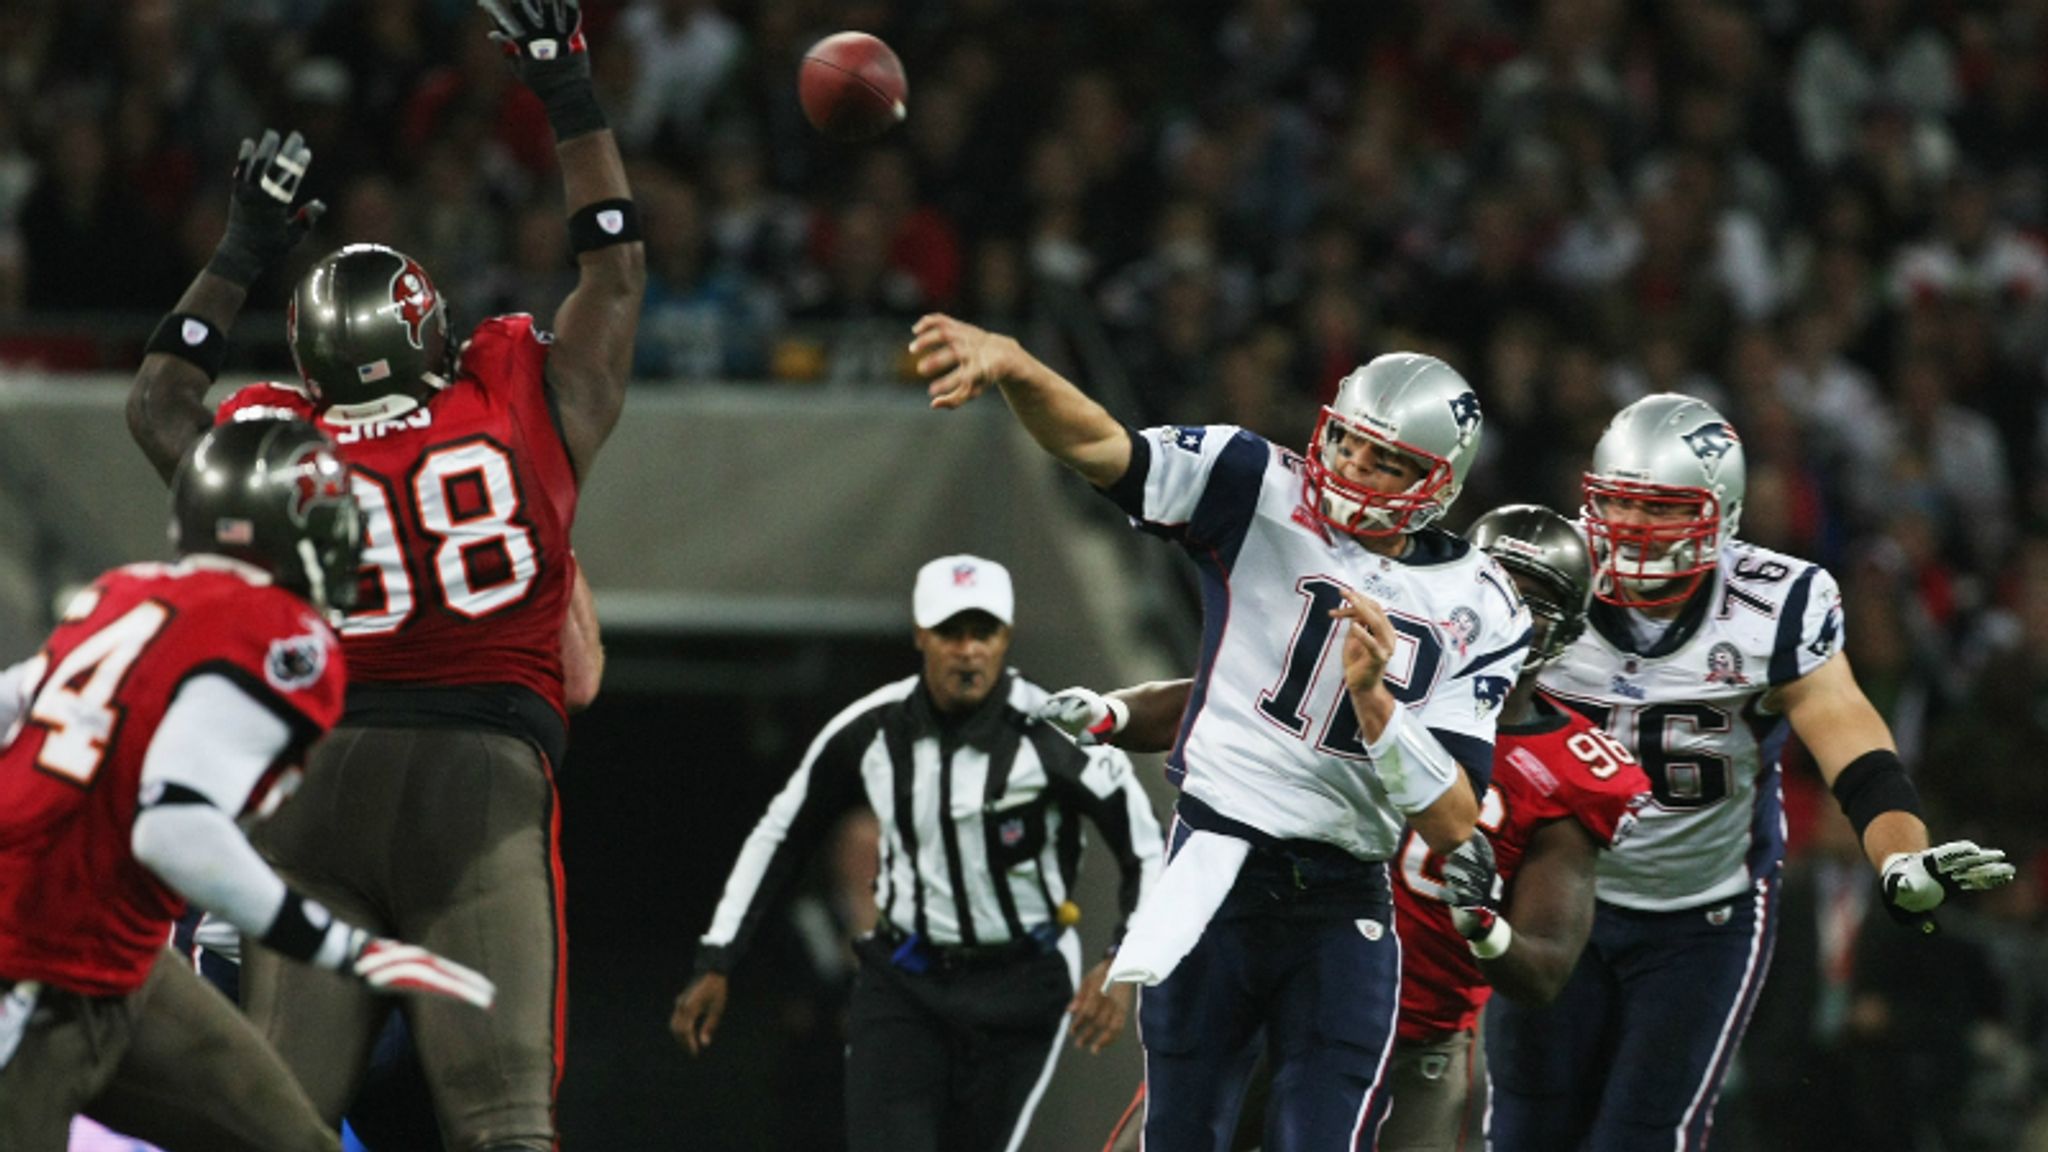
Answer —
1917 882
262 225
393 967
1086 716
543 42
1472 890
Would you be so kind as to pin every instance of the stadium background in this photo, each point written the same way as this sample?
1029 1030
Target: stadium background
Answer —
1825 217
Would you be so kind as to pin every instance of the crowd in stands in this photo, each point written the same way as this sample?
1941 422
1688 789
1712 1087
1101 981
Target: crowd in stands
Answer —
1825 217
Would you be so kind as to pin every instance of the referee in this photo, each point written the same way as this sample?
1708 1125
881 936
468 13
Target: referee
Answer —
971 980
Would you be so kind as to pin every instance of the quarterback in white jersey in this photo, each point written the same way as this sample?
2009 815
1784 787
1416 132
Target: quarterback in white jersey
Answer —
1300 755
1701 654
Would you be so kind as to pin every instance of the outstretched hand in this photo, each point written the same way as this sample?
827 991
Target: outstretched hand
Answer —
262 224
960 360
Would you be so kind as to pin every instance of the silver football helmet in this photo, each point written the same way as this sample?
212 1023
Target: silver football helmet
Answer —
1551 567
1413 404
1664 494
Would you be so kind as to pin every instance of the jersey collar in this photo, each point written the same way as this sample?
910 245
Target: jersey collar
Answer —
1432 546
1613 624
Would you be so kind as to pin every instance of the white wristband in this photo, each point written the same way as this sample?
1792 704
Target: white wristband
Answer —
1411 766
1496 940
1119 715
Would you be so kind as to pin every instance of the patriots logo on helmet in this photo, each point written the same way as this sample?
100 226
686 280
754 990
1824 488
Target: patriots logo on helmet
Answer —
1465 410
1489 693
413 298
1711 443
318 478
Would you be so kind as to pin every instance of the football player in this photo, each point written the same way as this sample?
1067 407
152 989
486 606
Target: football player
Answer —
172 704
1275 913
1562 791
1701 652
467 459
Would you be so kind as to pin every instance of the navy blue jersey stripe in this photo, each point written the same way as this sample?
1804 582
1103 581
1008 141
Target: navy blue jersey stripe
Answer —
1500 653
1767 824
1128 491
1215 579
1785 650
1231 497
1472 753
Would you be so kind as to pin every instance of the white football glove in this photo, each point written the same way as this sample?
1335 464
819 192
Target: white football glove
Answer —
1085 715
393 966
1920 881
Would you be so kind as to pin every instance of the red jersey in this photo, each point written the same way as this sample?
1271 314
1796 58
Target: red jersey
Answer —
77 911
1558 767
467 504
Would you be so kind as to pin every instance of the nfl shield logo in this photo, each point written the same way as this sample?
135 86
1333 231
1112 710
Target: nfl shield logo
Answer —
193 332
1011 831
611 220
963 575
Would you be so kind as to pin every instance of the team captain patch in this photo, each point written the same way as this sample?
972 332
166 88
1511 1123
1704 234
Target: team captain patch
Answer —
295 662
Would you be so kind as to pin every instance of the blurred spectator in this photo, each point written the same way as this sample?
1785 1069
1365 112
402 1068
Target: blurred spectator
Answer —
685 51
703 320
81 223
1880 58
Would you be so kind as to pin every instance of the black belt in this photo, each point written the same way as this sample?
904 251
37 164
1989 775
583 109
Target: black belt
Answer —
512 709
1295 873
916 955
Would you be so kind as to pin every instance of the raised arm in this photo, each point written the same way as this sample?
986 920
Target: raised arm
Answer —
167 403
963 361
592 357
1853 746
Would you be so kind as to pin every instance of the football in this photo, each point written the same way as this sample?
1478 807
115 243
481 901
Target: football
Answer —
852 87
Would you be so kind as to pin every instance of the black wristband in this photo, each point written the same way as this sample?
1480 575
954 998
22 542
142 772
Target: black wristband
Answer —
712 958
602 225
192 339
570 101
1873 784
294 934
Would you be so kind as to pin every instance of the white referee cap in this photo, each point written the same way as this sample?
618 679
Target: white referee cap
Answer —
951 585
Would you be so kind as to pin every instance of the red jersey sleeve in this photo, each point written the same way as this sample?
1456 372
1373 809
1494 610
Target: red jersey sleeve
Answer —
268 399
1579 772
286 656
509 355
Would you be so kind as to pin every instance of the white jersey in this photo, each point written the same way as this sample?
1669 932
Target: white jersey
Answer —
1691 707
1269 737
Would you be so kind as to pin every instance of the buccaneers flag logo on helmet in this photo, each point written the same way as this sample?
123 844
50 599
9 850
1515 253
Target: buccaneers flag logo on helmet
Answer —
413 298
319 479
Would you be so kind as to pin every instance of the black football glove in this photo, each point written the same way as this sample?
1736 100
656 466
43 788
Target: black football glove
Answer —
1471 883
543 41
262 225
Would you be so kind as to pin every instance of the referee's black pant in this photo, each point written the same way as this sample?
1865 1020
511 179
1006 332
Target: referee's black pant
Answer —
951 1059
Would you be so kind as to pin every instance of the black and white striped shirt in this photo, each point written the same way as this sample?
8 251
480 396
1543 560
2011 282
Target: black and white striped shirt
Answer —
978 814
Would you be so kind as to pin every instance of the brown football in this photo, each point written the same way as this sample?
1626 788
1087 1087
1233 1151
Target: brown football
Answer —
852 87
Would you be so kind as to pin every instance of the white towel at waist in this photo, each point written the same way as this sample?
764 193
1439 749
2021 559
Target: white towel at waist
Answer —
1170 921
